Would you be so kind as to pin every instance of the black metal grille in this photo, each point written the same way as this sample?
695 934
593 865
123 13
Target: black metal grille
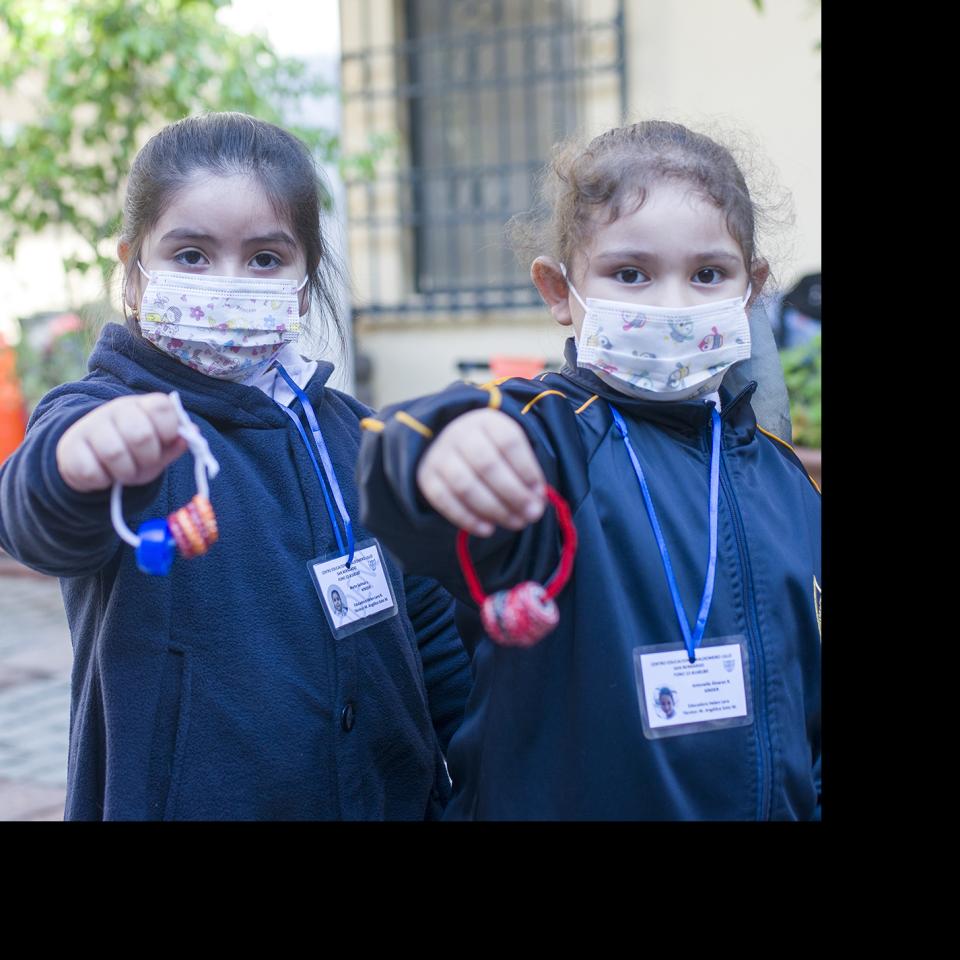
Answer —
481 90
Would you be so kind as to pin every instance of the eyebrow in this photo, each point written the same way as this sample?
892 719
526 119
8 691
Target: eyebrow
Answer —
649 255
278 236
188 233
717 255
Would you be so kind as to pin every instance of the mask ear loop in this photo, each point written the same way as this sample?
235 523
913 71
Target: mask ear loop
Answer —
573 289
149 276
303 283
192 528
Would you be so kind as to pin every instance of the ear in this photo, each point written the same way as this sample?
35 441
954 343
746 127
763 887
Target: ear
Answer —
549 280
758 277
131 291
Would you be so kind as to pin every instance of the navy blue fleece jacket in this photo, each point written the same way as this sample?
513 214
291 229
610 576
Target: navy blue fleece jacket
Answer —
555 731
217 692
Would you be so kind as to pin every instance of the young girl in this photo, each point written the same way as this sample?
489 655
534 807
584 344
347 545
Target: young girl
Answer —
228 687
683 679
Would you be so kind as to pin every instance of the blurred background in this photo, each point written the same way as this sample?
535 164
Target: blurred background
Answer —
431 120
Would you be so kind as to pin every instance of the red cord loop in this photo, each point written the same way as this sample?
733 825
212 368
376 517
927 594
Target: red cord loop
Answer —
524 614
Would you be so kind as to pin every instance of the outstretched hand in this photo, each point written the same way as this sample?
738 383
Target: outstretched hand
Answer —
131 440
481 472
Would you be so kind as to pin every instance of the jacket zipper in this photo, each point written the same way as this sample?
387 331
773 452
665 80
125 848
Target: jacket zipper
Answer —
757 660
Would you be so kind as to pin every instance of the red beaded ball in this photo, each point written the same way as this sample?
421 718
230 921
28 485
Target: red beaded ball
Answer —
521 616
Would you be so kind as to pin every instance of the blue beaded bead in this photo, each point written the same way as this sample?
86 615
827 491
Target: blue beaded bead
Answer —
157 547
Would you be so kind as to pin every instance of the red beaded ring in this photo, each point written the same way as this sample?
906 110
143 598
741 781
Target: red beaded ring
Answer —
526 613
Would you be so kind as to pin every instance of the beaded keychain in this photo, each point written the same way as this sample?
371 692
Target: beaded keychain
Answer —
524 614
192 529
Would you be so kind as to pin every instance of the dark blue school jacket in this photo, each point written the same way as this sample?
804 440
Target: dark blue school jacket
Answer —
217 692
554 731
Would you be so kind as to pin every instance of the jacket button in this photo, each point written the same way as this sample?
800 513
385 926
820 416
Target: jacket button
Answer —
347 716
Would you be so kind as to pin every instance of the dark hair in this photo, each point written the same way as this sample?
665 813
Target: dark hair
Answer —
616 169
227 144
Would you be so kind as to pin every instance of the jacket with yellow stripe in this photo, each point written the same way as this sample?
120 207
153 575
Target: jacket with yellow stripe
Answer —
554 731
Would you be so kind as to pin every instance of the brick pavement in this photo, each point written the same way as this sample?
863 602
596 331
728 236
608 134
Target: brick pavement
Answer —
35 661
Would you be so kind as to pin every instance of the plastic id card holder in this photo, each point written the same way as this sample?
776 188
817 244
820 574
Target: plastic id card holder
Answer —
356 597
678 697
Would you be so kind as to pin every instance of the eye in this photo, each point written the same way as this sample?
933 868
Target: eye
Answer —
190 258
265 260
708 275
631 275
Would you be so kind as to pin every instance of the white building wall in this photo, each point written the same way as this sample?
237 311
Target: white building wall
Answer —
718 63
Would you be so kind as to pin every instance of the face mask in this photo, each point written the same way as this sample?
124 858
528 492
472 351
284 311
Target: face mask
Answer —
225 327
662 353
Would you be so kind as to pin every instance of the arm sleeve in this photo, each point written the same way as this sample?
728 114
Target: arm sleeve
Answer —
446 667
424 542
44 523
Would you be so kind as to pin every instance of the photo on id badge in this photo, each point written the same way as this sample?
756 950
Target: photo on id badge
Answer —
356 596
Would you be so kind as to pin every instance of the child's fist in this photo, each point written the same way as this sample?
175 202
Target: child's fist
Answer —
481 471
130 439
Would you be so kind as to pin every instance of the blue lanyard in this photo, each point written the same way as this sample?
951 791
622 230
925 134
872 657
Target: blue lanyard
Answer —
327 465
692 640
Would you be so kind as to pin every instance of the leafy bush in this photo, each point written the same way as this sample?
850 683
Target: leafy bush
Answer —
54 347
801 371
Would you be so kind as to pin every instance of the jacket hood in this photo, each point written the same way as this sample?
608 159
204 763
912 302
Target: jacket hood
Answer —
145 369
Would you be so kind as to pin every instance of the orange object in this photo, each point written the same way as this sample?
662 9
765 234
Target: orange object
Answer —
526 367
13 411
194 527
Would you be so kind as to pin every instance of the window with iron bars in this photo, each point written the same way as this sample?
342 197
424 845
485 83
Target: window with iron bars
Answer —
481 91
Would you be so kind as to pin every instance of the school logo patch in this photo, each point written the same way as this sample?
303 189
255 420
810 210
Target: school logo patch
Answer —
816 604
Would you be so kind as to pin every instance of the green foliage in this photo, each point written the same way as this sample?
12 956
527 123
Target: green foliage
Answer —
801 371
108 74
55 350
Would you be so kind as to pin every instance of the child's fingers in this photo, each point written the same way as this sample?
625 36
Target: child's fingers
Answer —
441 497
499 493
111 451
482 471
81 470
475 494
139 435
172 452
513 444
162 413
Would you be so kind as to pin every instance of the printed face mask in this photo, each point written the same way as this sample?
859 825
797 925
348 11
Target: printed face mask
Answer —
662 353
225 327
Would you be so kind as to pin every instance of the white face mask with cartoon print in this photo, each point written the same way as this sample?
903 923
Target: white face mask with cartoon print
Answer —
225 327
662 353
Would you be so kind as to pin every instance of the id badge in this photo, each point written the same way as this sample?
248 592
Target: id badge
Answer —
356 597
678 697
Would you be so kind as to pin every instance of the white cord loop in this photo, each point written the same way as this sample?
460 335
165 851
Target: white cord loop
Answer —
205 466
